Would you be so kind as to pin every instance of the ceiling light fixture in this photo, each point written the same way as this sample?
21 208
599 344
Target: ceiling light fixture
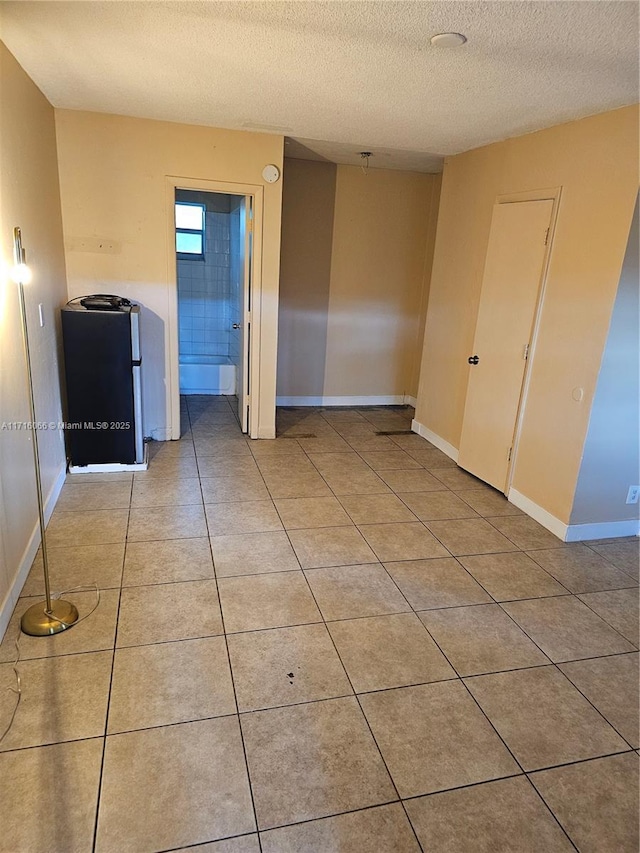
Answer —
364 157
448 40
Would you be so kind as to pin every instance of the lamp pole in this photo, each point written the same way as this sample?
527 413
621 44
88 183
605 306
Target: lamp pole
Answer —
48 616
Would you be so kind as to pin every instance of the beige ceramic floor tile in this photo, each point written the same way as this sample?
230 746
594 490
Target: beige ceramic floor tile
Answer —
526 533
77 497
237 487
242 517
579 569
412 442
167 560
63 698
170 683
330 546
470 536
428 584
301 513
542 718
94 632
293 484
169 492
75 566
144 807
431 506
565 628
176 467
98 527
212 466
619 608
240 844
623 555
115 477
383 828
611 684
170 611
220 446
275 600
596 802
389 460
253 554
285 666
412 481
364 482
434 737
488 502
503 815
508 577
458 480
48 797
376 509
313 760
431 458
348 592
481 639
410 541
160 449
388 651
367 441
166 522
324 444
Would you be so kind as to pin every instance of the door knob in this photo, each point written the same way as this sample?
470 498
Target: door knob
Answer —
236 326
473 359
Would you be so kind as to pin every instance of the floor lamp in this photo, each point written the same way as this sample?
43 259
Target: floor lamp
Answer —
49 616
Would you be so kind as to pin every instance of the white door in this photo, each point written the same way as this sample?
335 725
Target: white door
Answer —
508 301
241 219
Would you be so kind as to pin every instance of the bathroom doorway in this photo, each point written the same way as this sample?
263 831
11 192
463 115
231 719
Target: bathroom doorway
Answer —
213 234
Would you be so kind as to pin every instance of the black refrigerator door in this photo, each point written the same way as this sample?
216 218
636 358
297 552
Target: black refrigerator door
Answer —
100 407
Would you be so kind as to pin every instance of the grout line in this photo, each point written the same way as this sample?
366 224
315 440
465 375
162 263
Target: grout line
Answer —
108 708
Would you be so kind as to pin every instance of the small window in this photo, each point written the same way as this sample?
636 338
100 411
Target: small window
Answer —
190 231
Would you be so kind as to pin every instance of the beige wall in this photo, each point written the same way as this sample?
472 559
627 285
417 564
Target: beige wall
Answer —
595 162
355 273
308 201
29 198
115 205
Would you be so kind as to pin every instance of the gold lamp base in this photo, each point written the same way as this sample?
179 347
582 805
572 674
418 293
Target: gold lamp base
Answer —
37 621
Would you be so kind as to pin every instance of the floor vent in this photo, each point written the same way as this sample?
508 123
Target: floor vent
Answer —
395 432
300 435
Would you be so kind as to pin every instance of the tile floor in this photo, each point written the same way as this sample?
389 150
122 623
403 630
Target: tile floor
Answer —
334 642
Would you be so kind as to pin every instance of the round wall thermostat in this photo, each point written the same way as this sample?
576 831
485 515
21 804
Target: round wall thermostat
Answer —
271 174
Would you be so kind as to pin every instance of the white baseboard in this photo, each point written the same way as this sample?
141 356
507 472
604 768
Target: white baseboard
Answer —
542 516
435 439
602 530
574 532
410 401
28 556
112 467
385 400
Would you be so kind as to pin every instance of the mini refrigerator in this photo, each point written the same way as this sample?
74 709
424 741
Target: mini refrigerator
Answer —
101 341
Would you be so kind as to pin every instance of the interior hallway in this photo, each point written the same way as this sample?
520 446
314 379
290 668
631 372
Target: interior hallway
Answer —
400 659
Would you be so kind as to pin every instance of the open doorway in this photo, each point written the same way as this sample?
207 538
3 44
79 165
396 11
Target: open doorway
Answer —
213 268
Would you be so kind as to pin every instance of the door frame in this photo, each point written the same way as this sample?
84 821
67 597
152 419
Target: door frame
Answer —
554 195
256 193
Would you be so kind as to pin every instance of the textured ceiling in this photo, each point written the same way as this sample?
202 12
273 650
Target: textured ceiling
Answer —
354 75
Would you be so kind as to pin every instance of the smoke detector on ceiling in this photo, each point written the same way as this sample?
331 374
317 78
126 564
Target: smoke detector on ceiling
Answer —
448 40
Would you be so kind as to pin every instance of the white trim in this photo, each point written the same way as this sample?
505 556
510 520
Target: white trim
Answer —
435 439
28 556
386 400
557 527
266 432
410 401
602 530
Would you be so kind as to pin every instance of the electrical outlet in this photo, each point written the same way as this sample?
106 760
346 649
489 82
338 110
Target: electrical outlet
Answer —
632 494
